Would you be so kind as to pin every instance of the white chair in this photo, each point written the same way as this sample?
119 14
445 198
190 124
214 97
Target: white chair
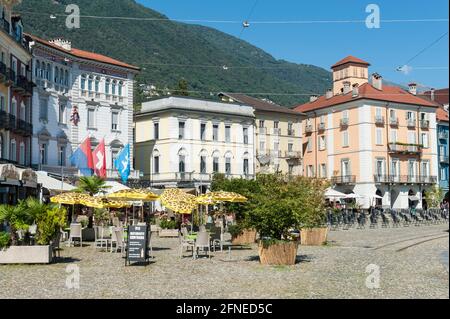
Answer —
120 242
202 243
102 237
75 233
185 242
217 238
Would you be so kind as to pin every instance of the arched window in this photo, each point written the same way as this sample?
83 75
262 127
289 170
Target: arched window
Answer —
13 110
182 154
22 154
83 82
107 84
36 68
97 84
23 112
156 161
48 72
245 160
228 158
90 82
113 87
216 158
120 88
203 156
13 151
66 78
56 74
61 76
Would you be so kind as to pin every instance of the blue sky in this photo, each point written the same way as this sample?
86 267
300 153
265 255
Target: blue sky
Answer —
385 48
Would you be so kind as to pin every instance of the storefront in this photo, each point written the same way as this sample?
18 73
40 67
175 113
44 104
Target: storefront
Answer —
16 184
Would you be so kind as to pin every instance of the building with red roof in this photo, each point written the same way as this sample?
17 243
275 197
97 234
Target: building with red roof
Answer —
372 139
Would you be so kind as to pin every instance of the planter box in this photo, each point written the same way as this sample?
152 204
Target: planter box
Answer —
88 234
283 253
314 236
248 236
26 255
168 233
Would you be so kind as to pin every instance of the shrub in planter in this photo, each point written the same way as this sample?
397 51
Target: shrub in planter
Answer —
5 239
168 224
282 204
241 235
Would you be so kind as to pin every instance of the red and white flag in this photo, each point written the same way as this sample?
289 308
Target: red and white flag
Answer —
99 157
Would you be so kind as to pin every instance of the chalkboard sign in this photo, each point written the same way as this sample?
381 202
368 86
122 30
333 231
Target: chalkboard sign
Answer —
137 244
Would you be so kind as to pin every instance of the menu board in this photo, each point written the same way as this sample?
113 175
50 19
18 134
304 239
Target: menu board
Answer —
137 244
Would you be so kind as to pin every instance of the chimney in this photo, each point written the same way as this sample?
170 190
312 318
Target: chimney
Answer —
347 87
329 94
355 92
377 81
412 88
313 98
432 94
65 44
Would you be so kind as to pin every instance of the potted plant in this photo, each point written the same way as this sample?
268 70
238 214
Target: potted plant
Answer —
17 249
168 228
281 205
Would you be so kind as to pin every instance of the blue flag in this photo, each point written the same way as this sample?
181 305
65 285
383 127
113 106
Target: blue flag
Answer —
123 164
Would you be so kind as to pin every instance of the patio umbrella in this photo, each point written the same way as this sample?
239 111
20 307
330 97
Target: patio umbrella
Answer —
350 196
230 197
102 202
134 194
178 201
331 193
69 198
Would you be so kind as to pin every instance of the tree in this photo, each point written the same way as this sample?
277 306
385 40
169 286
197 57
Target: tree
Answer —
182 88
434 197
92 185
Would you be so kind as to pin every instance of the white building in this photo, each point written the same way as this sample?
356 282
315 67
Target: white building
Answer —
183 141
79 94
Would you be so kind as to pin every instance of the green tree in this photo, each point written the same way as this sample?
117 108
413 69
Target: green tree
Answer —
182 88
92 185
434 196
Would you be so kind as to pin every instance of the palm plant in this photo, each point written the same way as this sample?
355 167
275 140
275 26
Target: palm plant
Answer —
92 185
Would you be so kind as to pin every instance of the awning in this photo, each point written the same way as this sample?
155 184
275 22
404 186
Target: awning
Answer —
53 184
331 193
115 187
8 171
413 198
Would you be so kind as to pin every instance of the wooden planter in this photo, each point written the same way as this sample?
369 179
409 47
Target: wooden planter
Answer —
282 253
168 233
248 236
313 236
26 255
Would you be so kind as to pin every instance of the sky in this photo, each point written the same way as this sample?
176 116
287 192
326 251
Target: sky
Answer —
322 44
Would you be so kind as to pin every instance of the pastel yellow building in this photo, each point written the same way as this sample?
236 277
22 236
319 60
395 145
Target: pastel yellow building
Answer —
183 142
277 135
371 139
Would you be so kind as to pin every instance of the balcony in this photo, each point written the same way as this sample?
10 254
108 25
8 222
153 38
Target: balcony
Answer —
262 130
411 123
443 159
379 120
293 154
393 121
23 85
308 128
7 121
24 128
443 135
276 131
5 74
344 122
404 179
424 124
344 180
321 127
398 148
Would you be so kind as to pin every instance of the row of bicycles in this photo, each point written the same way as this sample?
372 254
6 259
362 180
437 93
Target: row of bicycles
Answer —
377 218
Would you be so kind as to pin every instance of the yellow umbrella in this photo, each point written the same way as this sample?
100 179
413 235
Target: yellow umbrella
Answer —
102 202
178 201
134 194
69 198
231 197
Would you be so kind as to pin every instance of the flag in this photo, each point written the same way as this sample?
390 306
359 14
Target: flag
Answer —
82 158
123 164
99 159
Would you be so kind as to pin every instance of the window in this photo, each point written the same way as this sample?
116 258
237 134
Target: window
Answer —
1 147
322 119
246 171
61 76
276 124
411 137
215 165
43 109
13 110
181 127
310 171
228 166
425 169
91 118
66 78
2 103
290 147
90 83
227 133
261 123
156 164
215 132
290 129
291 169
379 136
181 163
120 88
203 164
203 131
97 84
309 146
245 133
378 113
114 121
411 170
113 87
444 174
322 143
262 146
48 72
424 140
345 139
276 146
83 82
43 153
22 154
62 156
114 154
23 112
410 116
323 170
56 78
107 84
345 115
345 168
394 136
156 131
379 166
395 170
62 114
36 69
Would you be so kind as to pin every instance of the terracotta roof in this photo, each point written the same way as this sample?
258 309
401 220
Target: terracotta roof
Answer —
442 115
259 105
350 59
440 96
367 91
85 54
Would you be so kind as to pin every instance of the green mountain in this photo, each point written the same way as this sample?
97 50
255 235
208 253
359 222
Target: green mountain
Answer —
154 44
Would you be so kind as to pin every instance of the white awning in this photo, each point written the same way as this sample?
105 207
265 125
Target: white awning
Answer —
353 196
331 193
413 198
52 183
115 187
